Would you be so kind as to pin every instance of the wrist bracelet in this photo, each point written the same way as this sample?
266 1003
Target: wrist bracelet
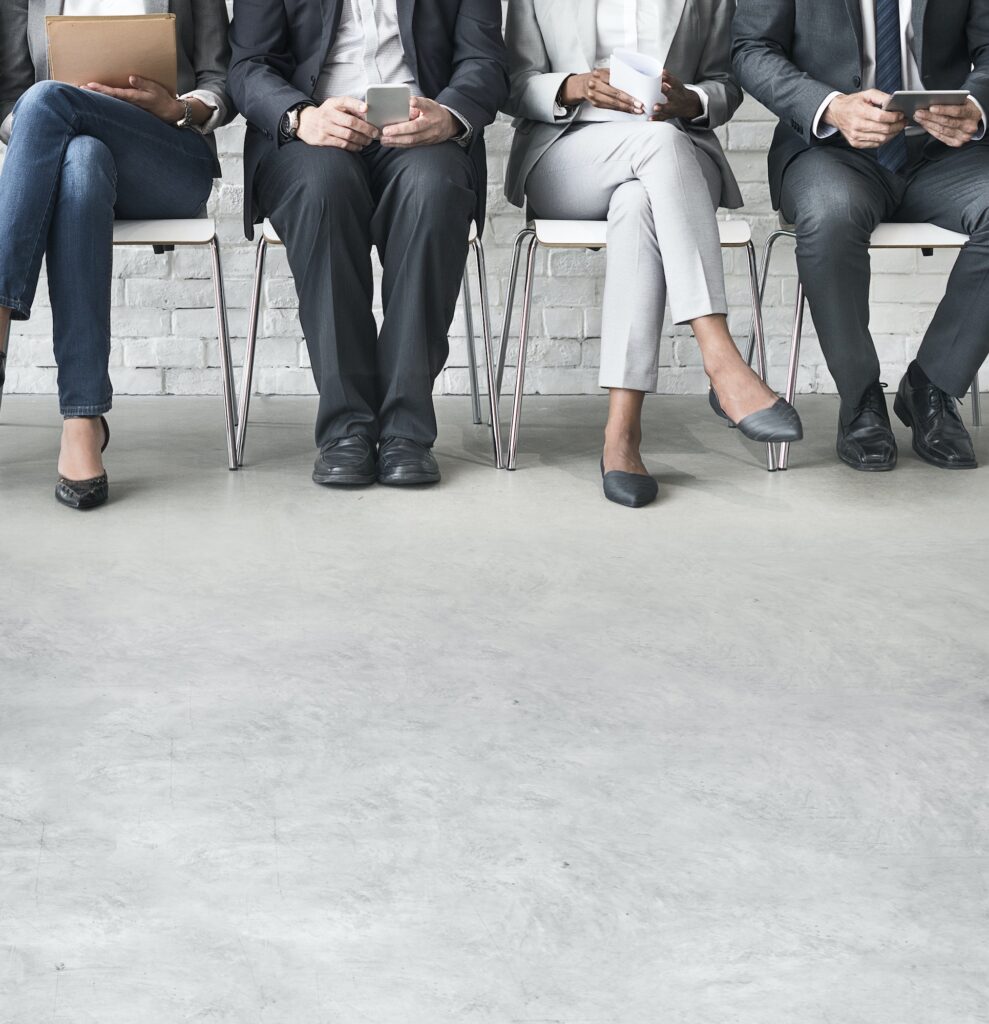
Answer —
187 117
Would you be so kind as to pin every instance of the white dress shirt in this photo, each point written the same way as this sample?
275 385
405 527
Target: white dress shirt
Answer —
628 25
100 8
912 79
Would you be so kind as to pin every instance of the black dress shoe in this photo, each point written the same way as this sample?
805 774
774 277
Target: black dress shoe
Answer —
346 462
402 462
85 494
866 441
939 436
778 423
633 490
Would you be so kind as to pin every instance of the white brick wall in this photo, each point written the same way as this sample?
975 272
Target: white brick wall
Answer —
164 326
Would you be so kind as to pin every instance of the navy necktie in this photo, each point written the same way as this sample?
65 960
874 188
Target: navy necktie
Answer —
889 74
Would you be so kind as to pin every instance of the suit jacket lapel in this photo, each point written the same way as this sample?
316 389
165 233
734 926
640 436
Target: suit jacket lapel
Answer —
406 8
919 11
855 13
587 29
670 16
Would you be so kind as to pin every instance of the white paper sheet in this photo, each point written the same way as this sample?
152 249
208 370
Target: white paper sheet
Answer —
638 75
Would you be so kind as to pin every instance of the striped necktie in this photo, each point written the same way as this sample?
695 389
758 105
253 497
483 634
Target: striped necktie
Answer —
889 75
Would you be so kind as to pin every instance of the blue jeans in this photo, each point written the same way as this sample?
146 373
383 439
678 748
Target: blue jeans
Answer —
76 160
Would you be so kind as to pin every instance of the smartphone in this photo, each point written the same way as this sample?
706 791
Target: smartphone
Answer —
905 102
387 104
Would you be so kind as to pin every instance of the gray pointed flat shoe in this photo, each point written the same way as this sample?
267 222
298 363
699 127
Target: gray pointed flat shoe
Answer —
780 422
633 490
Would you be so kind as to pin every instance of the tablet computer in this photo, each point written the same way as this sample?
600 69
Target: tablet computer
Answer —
111 48
906 102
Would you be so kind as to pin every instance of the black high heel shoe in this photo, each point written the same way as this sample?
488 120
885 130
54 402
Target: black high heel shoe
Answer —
780 422
633 490
85 494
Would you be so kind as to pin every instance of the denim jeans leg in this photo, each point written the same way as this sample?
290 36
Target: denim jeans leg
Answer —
79 255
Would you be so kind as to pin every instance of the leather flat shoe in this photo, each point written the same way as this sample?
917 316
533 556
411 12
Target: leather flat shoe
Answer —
633 490
866 442
85 494
778 423
346 462
939 436
402 463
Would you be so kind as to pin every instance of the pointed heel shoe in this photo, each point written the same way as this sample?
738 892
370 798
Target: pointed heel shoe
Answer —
780 422
85 494
633 490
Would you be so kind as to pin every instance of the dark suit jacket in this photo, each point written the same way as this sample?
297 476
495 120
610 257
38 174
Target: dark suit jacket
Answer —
791 54
454 48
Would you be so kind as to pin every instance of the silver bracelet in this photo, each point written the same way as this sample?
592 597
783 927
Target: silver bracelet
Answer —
187 117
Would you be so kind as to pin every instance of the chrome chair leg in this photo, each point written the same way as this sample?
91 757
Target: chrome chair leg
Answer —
226 362
4 342
247 375
791 373
767 255
506 324
530 273
976 403
482 289
475 395
759 335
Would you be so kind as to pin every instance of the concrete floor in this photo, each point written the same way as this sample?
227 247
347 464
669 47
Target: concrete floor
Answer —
497 752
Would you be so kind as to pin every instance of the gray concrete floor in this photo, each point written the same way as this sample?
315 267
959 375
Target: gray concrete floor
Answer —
497 752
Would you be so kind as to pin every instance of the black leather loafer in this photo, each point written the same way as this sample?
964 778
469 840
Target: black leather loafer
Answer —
866 441
633 490
402 462
939 436
85 494
778 423
346 462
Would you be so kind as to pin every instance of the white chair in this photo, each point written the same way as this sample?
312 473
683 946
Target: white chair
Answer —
925 237
591 234
164 236
270 237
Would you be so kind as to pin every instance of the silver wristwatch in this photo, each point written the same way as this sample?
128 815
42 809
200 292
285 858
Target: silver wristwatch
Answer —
290 122
187 116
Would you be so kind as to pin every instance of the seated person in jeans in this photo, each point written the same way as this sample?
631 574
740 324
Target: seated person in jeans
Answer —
840 165
333 185
78 158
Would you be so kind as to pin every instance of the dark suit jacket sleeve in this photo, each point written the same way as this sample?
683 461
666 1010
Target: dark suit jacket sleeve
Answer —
479 84
978 45
16 69
211 55
262 65
763 42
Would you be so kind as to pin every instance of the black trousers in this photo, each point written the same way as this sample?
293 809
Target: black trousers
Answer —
415 206
836 197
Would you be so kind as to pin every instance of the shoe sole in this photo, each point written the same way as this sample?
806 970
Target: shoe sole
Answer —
904 417
859 467
348 480
411 480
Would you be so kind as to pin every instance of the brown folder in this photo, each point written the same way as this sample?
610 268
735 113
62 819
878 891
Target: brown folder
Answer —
110 49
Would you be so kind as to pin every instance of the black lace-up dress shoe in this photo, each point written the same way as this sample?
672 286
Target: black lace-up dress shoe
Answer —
402 463
865 440
939 436
346 462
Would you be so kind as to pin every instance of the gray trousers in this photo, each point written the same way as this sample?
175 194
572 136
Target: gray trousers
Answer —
659 193
836 197
415 206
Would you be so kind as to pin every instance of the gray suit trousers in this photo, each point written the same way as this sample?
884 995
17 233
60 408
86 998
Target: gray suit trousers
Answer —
659 193
415 206
836 196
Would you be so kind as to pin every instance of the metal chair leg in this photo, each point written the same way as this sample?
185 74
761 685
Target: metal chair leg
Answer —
791 373
530 273
226 362
482 290
247 375
759 334
4 342
506 323
976 403
767 255
475 394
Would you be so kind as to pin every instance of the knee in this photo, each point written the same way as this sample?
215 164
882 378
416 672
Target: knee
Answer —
976 219
87 169
630 202
835 218
436 188
43 98
662 138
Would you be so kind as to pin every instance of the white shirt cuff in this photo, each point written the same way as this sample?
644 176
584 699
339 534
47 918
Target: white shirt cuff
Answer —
464 139
208 99
705 101
825 131
982 132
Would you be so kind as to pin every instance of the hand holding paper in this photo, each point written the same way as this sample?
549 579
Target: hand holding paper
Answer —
640 76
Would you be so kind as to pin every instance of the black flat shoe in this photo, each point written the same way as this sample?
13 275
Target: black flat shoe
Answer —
866 442
778 423
939 436
633 490
402 463
346 462
85 494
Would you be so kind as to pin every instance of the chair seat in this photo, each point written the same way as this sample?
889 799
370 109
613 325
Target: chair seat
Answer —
191 231
593 234
271 235
891 235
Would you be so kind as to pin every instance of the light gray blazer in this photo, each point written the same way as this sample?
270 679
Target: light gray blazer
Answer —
203 51
551 39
